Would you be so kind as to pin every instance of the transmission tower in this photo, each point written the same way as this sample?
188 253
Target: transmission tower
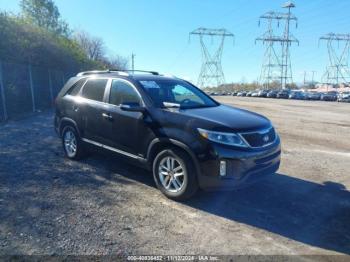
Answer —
211 71
270 70
272 59
337 71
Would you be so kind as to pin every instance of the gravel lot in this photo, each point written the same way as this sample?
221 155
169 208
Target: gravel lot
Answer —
102 205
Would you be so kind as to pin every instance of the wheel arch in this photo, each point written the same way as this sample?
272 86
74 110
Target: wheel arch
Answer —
67 121
158 144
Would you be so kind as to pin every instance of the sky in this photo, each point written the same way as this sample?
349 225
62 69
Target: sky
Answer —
157 32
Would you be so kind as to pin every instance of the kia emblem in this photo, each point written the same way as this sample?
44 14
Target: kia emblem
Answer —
266 138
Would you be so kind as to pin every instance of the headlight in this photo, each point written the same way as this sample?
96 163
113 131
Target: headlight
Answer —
223 138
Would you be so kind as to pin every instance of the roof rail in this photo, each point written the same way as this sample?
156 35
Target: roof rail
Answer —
133 71
122 72
93 72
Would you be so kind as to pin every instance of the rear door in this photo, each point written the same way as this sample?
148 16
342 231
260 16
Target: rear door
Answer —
68 106
92 107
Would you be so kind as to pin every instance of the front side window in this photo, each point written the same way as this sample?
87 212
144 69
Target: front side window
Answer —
123 93
94 89
177 93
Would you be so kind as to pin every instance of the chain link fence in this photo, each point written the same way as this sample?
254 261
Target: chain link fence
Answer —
27 88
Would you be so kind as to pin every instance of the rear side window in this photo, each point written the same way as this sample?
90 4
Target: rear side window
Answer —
74 90
123 93
94 89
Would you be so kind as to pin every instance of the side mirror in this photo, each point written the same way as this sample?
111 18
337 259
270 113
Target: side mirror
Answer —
132 108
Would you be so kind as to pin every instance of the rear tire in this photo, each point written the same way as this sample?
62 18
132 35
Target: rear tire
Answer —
175 174
73 147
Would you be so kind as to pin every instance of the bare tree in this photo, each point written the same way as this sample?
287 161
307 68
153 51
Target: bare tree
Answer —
118 62
94 47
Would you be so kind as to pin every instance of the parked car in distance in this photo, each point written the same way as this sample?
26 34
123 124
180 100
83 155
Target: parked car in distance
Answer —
298 95
272 94
344 97
249 93
241 93
329 96
234 93
263 93
313 96
283 94
167 125
255 94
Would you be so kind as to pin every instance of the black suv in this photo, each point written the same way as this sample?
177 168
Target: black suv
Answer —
168 125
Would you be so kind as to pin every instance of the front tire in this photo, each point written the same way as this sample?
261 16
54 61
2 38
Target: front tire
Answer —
72 144
174 174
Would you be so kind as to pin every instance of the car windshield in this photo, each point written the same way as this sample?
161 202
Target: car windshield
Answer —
176 93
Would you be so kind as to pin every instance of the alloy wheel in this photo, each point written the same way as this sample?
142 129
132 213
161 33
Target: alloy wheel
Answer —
70 143
171 174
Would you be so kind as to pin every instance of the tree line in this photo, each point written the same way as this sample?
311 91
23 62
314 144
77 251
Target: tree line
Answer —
39 36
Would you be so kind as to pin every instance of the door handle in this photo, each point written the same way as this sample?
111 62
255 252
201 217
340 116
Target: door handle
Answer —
75 108
107 116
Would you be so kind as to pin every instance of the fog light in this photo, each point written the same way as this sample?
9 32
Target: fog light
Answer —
222 168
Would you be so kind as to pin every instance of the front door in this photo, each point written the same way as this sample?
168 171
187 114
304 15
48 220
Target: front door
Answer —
127 127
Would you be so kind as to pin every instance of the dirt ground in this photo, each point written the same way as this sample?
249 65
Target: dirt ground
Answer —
102 205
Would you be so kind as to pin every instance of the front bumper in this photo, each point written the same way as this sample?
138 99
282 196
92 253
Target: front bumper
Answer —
242 167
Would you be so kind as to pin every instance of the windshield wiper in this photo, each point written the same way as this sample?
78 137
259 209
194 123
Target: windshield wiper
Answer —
197 106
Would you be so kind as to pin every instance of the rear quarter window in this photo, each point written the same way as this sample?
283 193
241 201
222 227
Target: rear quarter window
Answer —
74 90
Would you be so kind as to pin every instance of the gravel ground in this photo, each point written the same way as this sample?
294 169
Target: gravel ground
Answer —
102 205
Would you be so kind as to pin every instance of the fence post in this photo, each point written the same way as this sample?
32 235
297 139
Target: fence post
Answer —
31 86
50 87
3 92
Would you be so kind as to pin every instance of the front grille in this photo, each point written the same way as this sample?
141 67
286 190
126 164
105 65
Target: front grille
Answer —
260 138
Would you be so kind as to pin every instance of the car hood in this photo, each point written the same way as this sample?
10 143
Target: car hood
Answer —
225 118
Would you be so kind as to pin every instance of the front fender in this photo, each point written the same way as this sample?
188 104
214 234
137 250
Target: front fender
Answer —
168 142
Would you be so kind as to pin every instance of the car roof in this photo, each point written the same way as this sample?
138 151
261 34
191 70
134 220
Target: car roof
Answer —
127 74
151 76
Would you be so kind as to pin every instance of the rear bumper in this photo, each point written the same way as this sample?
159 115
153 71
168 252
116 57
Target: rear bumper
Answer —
242 168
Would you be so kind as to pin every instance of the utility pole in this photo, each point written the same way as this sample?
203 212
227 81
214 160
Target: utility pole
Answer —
272 59
306 80
337 71
133 62
211 74
313 77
